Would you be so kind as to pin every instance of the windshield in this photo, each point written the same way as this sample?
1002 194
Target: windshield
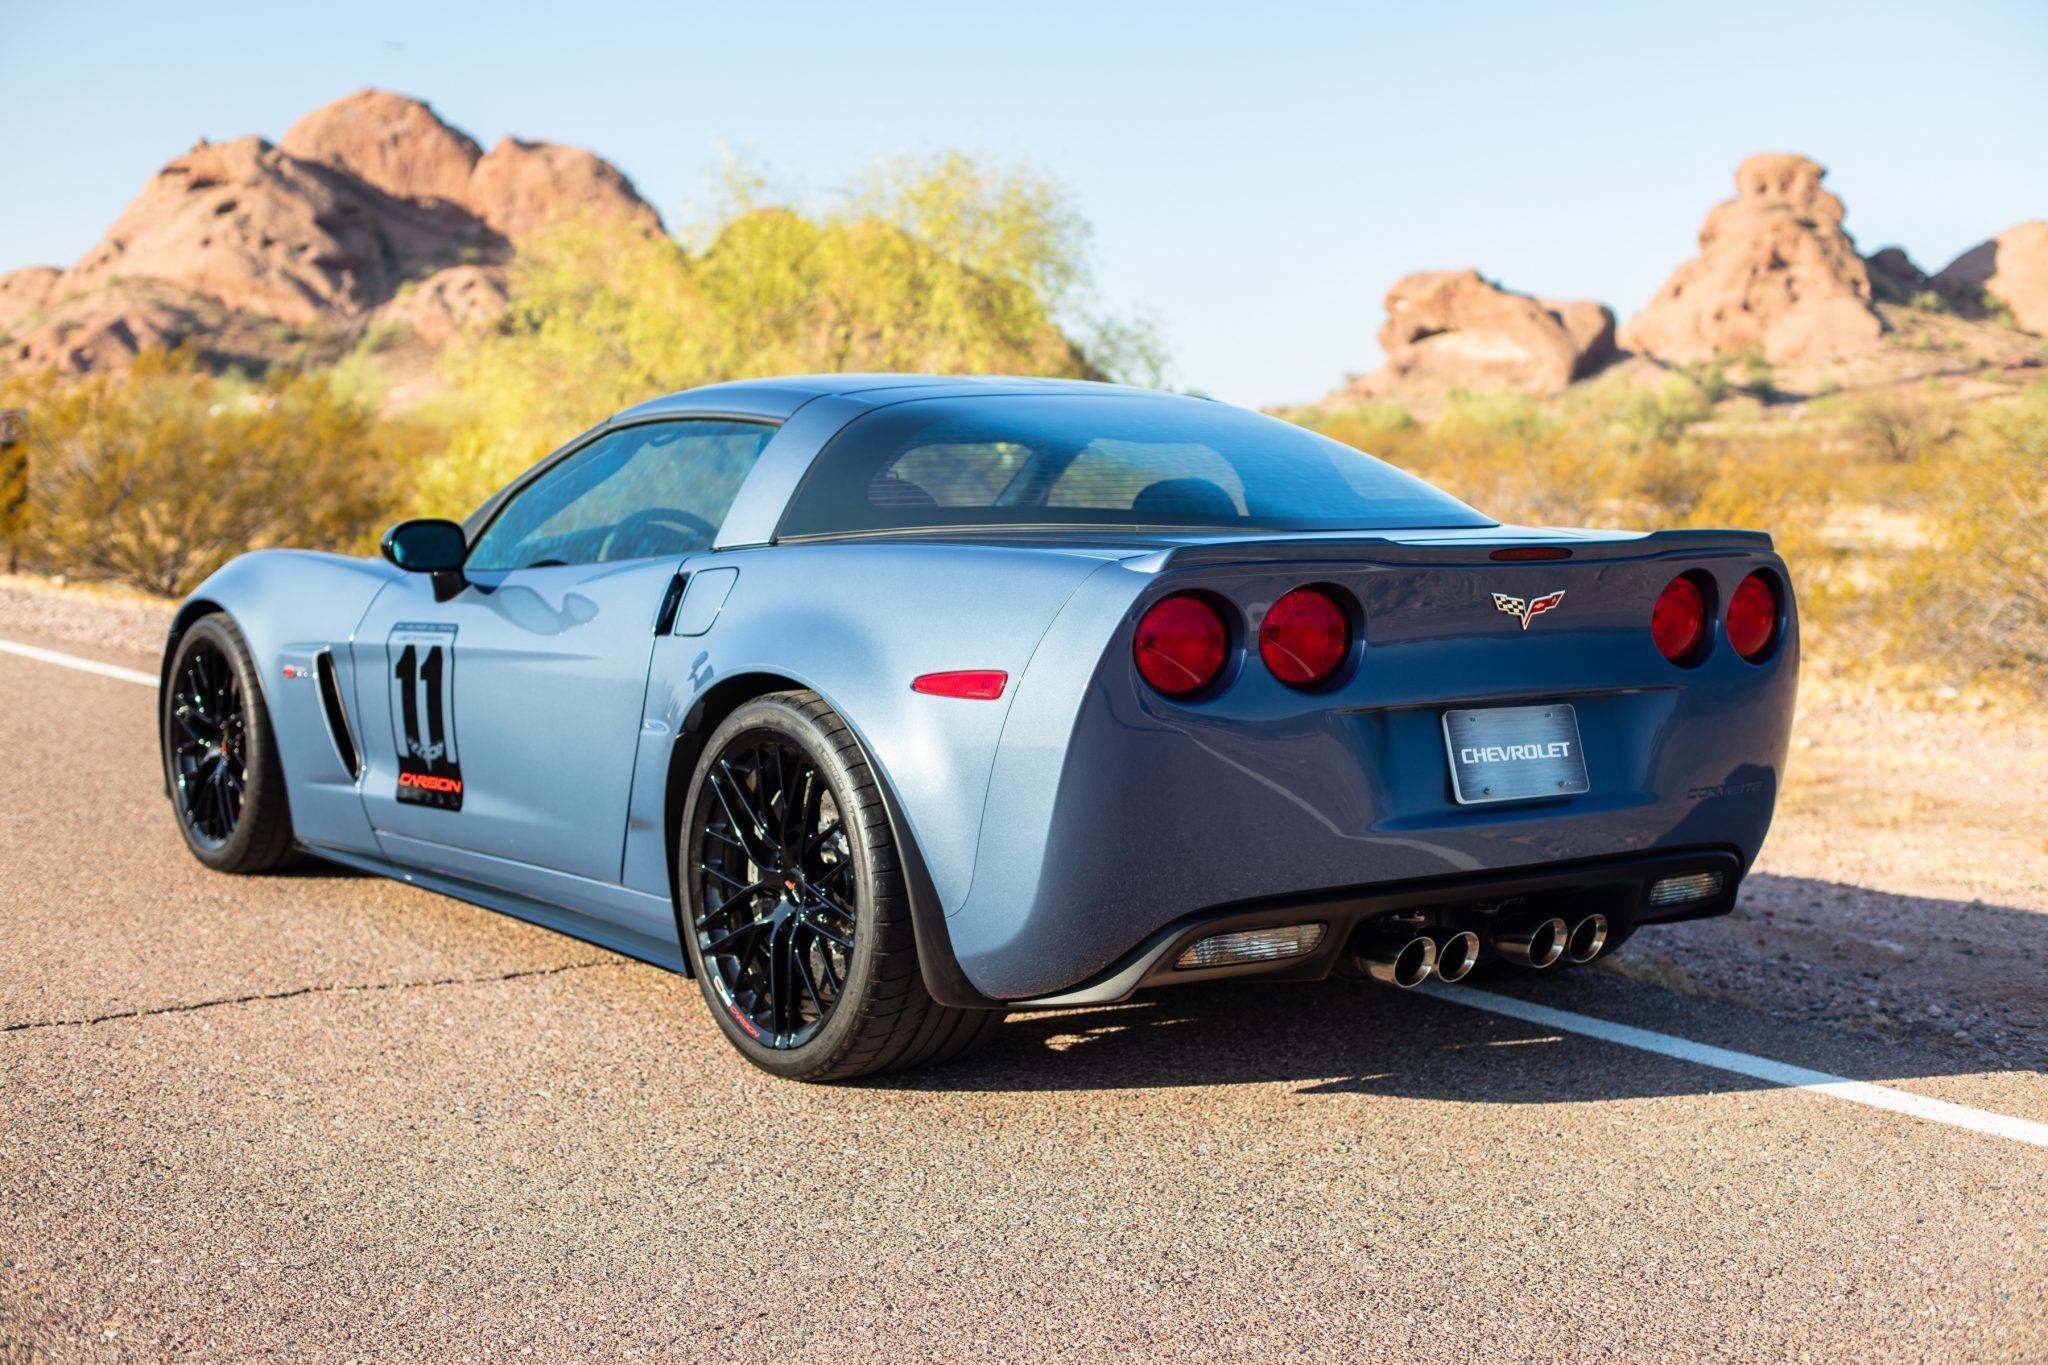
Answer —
1124 460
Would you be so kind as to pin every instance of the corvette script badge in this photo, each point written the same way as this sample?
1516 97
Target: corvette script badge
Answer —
1529 610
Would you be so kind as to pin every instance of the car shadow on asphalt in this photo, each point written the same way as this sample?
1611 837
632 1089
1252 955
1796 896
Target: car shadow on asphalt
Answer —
1342 1036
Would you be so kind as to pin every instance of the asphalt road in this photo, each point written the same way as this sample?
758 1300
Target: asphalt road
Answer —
329 1116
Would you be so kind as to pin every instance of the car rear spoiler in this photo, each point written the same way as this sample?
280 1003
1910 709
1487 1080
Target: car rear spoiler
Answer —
1458 547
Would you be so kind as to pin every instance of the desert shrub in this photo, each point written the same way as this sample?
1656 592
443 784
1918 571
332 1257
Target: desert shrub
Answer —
1902 427
937 266
158 476
1974 600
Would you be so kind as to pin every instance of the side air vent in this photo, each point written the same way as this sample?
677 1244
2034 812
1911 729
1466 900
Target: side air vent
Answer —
337 716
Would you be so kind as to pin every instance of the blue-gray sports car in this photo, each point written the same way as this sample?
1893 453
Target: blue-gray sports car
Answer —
885 704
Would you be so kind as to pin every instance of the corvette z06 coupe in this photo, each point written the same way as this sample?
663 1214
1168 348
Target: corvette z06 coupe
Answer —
882 705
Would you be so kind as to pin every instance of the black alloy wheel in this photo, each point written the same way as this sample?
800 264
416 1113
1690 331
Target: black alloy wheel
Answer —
220 758
792 905
776 918
209 744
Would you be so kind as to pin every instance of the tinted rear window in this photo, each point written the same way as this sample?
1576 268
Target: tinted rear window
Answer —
1125 460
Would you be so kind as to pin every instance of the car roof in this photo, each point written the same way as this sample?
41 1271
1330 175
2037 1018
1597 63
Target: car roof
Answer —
781 397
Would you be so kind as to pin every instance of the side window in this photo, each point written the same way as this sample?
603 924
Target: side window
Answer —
644 491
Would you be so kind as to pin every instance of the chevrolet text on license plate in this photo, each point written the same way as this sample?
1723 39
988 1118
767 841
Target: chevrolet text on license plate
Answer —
1514 753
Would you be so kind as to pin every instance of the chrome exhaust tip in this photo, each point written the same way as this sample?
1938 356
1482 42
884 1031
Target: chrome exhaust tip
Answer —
1588 937
1536 943
1403 962
1456 956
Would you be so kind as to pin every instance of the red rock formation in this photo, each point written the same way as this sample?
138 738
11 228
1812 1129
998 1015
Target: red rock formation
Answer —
1451 329
399 145
264 232
2010 270
1775 272
367 194
522 187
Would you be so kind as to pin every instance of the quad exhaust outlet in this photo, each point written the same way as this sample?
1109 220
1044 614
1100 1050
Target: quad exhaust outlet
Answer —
1456 956
1536 943
1588 937
1397 959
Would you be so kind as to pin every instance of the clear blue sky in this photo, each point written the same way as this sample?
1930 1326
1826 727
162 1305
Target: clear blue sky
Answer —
1257 174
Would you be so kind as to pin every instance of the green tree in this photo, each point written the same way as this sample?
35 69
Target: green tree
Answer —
938 266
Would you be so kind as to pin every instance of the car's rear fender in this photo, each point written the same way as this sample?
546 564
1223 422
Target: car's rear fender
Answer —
1113 810
856 623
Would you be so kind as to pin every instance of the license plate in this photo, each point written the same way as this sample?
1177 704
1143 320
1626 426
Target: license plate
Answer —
1514 753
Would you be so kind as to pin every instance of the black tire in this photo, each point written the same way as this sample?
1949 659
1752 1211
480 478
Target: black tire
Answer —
757 827
220 755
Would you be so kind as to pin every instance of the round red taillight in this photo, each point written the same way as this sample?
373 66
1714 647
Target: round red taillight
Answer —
1180 645
1753 617
1679 619
1304 637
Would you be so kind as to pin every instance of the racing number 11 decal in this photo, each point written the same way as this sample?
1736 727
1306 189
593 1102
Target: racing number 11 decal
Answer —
423 715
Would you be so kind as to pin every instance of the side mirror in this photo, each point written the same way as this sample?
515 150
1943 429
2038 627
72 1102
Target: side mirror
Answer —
426 546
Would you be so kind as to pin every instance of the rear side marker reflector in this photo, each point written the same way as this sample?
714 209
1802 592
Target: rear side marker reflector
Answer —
1251 945
1528 552
1695 886
977 684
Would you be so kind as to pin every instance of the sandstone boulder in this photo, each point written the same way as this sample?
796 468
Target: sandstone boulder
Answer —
1775 272
399 145
523 187
1451 329
2010 270
448 303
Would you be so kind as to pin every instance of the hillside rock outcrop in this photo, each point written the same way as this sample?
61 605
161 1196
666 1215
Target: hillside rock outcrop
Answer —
264 232
1449 329
1894 278
237 241
22 292
447 303
2010 270
1776 272
522 187
401 146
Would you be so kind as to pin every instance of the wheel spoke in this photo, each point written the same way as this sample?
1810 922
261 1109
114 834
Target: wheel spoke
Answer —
830 936
721 942
803 971
739 888
742 828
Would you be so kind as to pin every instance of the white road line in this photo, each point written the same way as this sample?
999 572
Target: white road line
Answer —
1743 1064
51 656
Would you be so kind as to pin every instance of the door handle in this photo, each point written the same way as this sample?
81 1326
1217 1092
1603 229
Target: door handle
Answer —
665 618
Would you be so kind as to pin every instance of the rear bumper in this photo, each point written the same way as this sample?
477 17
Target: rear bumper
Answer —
1616 887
